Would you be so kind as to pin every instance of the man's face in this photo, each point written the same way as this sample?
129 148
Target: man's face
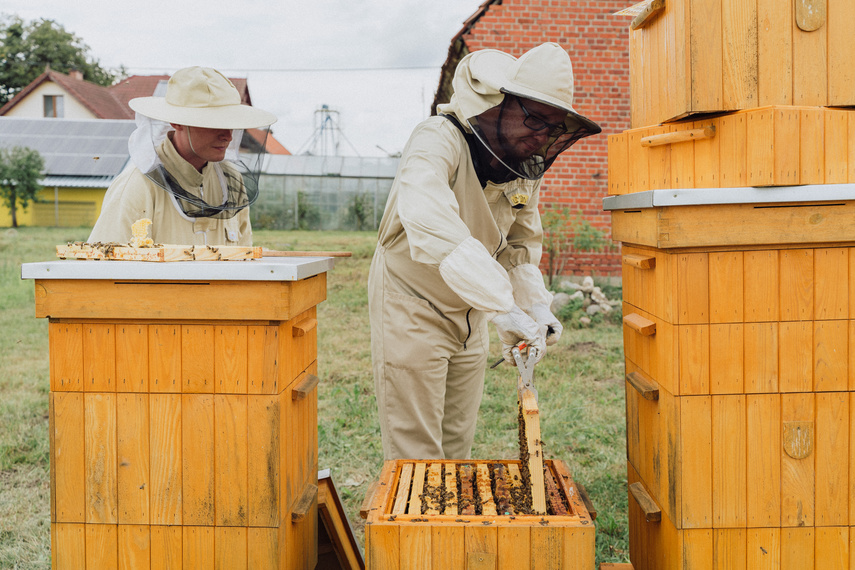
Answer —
521 126
200 145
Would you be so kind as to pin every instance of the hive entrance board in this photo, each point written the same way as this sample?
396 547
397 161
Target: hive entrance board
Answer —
157 252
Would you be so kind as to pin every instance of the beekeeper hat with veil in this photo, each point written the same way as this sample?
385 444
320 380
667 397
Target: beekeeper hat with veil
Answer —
200 97
491 92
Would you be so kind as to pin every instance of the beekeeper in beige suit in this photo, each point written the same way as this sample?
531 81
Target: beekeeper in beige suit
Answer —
183 174
460 243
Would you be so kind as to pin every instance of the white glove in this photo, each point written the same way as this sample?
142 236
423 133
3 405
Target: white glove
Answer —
515 327
544 317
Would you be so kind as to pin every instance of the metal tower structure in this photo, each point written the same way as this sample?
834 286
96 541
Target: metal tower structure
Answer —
327 137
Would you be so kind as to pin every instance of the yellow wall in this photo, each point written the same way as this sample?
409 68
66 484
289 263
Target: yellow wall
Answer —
77 207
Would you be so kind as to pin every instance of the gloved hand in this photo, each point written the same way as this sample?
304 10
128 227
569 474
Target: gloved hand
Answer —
515 327
544 317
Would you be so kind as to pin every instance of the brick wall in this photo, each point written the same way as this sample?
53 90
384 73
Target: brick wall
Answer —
598 44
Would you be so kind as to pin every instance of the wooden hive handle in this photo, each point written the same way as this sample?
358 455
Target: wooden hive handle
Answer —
304 327
652 512
647 13
679 136
645 385
640 261
304 386
639 324
304 503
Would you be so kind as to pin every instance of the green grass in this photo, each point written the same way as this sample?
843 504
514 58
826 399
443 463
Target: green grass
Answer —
580 385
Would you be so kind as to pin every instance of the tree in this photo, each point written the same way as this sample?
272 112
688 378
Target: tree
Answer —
20 172
562 232
27 47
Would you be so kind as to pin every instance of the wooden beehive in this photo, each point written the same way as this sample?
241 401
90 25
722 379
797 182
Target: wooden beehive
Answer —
709 56
182 434
466 514
738 336
767 146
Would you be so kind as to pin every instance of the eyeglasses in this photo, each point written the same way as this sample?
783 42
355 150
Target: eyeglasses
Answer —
538 124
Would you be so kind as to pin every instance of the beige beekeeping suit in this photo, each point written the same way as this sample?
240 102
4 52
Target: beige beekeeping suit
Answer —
133 196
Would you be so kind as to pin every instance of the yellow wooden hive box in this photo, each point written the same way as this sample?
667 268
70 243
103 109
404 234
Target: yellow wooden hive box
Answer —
417 518
709 56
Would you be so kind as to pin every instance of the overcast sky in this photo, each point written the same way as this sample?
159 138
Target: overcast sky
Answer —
376 62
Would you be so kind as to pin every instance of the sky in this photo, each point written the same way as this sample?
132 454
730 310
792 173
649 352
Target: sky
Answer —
374 62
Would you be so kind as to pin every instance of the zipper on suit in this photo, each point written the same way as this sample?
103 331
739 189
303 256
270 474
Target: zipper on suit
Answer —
468 329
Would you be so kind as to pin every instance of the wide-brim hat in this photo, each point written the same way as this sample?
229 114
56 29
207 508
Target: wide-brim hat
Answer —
544 74
202 97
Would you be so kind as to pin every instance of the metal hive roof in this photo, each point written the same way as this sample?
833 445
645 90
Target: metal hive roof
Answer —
71 147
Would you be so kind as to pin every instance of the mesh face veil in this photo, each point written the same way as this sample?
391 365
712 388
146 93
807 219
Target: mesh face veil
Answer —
523 139
230 186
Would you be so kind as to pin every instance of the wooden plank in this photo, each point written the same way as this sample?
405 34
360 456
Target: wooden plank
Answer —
707 156
831 355
726 373
639 324
433 502
798 474
100 457
764 548
68 458
733 149
304 385
764 467
787 154
414 503
403 493
480 546
230 460
797 548
547 547
383 547
482 478
659 158
831 283
156 253
231 351
729 458
132 358
729 548
706 55
693 288
810 64
533 458
694 359
263 460
796 356
262 547
760 140
52 458
851 485
832 459
775 52
579 551
515 548
102 547
197 359
166 551
644 385
682 163
450 507
416 547
832 548
447 547
166 459
198 547
638 165
197 460
134 547
554 499
761 357
164 358
696 453
66 356
811 146
230 548
726 285
836 153
841 75
99 357
618 163
262 364
739 54
133 481
69 547
652 512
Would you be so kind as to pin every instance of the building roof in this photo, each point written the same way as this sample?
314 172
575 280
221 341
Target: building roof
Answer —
331 166
96 98
72 147
146 86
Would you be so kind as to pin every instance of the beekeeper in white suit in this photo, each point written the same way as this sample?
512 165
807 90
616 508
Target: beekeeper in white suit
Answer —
460 243
185 172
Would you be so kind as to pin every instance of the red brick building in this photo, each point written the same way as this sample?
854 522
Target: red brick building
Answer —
598 44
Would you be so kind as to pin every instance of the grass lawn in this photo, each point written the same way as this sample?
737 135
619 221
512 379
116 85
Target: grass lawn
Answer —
580 383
